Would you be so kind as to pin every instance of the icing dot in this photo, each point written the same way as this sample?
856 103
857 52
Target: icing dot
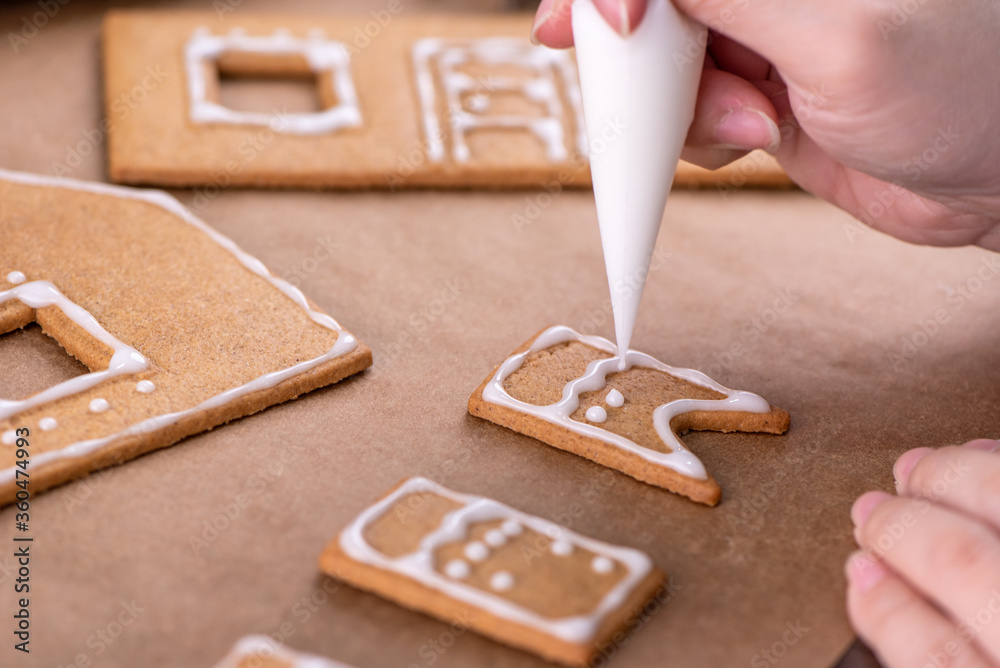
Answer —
457 568
99 405
615 399
511 527
562 548
476 551
597 414
145 386
495 538
477 102
602 565
501 581
47 424
9 437
16 278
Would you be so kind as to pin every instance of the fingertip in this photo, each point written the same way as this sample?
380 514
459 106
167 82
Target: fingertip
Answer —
864 571
622 15
866 504
553 24
983 444
748 129
904 465
732 113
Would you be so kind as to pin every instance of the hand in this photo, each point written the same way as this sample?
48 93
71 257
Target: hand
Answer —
886 109
927 590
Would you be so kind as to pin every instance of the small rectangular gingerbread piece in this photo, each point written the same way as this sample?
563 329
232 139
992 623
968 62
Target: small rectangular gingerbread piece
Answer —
575 393
478 563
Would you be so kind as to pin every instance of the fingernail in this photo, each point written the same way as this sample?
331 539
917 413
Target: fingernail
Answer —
864 571
749 129
984 444
541 18
904 465
865 504
624 25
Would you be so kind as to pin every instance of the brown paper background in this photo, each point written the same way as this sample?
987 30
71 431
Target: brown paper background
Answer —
744 571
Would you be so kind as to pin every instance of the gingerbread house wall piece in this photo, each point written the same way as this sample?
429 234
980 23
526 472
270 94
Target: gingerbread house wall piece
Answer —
407 102
182 330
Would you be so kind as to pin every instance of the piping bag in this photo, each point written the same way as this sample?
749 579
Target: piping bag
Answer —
639 95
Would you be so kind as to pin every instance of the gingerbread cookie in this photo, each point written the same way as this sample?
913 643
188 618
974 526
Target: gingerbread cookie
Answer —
572 392
180 329
402 102
263 652
419 101
472 561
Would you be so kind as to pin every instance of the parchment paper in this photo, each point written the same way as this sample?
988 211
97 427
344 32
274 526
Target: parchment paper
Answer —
776 293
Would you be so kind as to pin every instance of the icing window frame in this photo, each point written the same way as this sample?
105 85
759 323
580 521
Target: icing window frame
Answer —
37 295
436 59
328 60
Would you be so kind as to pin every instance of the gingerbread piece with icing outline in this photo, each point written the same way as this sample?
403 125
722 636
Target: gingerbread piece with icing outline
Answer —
181 330
256 651
514 577
423 101
429 101
569 391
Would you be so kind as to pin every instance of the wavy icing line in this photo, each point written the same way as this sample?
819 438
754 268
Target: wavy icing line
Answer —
323 56
259 646
679 459
548 65
419 565
125 360
345 341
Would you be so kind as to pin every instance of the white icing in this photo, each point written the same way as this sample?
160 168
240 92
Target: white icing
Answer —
476 551
511 527
615 399
99 405
125 359
501 581
596 414
679 458
602 565
458 569
628 80
454 527
145 386
16 278
441 59
322 55
495 538
47 424
9 437
561 548
258 646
